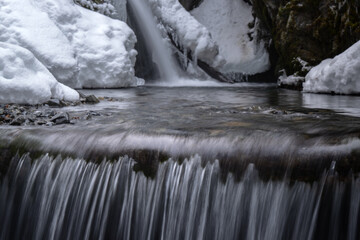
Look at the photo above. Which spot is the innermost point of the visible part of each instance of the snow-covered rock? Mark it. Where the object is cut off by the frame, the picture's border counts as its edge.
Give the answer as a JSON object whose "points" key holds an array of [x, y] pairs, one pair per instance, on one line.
{"points": [[81, 48], [189, 32], [340, 74], [291, 81], [227, 21], [23, 24], [24, 79]]}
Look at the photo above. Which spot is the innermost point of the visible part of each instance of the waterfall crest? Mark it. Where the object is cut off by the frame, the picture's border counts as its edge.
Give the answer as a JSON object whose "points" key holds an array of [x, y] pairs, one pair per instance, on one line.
{"points": [[73, 199]]}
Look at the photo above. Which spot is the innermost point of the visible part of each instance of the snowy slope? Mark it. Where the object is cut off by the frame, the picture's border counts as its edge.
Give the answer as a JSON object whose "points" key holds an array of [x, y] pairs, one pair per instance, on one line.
{"points": [[227, 21], [339, 75], [81, 48], [190, 33], [23, 79]]}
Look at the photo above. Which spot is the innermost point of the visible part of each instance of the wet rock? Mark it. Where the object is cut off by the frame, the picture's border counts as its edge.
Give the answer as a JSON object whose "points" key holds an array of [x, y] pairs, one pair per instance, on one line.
{"points": [[18, 121], [38, 113], [82, 95], [93, 113], [61, 118], [40, 122], [49, 113], [55, 103], [91, 99], [49, 124]]}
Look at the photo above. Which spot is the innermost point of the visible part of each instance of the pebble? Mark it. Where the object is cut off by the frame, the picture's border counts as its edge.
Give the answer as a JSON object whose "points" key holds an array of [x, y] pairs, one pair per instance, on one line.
{"points": [[46, 114]]}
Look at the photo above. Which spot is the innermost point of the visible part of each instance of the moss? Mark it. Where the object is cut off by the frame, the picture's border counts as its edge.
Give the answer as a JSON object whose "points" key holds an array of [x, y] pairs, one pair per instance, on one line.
{"points": [[310, 29]]}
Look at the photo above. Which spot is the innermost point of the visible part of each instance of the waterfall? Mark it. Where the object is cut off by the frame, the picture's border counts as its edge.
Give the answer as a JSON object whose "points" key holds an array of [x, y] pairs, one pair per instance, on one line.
{"points": [[153, 40], [74, 199]]}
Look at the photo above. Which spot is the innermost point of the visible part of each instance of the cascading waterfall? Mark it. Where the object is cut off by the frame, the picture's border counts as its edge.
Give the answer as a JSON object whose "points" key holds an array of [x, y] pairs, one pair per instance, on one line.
{"points": [[153, 40], [73, 199]]}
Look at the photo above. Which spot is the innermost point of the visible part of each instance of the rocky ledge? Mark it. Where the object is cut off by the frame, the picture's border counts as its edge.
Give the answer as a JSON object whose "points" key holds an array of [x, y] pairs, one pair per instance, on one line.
{"points": [[46, 114]]}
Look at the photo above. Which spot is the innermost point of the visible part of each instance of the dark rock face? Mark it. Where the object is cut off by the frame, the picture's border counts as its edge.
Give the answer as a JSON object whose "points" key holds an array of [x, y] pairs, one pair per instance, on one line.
{"points": [[311, 30], [190, 4]]}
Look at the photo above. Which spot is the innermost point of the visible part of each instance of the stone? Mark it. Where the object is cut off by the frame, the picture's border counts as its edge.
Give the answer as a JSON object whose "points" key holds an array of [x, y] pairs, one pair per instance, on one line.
{"points": [[49, 124], [91, 99], [82, 95], [61, 118], [40, 122], [55, 103], [92, 113], [49, 113], [18, 121]]}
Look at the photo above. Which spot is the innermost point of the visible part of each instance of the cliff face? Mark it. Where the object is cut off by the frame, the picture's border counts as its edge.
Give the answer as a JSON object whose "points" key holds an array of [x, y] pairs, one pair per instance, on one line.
{"points": [[310, 30], [304, 30]]}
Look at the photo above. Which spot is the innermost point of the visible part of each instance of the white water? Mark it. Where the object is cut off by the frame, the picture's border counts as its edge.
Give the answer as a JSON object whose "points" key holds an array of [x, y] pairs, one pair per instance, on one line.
{"points": [[73, 199], [154, 42]]}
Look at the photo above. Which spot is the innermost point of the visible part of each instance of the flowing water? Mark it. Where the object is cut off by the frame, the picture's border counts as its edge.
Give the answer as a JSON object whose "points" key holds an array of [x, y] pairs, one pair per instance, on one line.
{"points": [[153, 40], [242, 162]]}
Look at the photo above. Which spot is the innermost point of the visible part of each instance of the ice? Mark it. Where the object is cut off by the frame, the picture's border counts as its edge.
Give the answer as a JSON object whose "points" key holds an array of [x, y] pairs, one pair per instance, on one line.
{"points": [[24, 79], [338, 75], [227, 21]]}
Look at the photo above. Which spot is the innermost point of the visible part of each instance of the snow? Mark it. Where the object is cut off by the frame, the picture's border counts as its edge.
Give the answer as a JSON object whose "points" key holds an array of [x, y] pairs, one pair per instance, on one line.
{"points": [[23, 24], [24, 79], [291, 80], [189, 32], [105, 7], [227, 21], [338, 75], [81, 48]]}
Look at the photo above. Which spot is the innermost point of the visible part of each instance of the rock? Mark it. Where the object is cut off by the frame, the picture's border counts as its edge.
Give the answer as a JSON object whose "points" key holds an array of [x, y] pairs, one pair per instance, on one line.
{"points": [[31, 118], [92, 113], [40, 122], [61, 118], [309, 31], [55, 103], [38, 113], [82, 95], [49, 113], [91, 99], [18, 121], [190, 4]]}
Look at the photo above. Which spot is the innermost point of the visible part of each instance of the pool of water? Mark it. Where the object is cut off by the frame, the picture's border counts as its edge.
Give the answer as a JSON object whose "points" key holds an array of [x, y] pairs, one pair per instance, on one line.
{"points": [[242, 124]]}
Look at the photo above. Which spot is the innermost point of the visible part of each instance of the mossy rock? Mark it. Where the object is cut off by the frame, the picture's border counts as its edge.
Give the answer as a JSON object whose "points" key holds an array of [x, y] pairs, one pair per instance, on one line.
{"points": [[310, 29]]}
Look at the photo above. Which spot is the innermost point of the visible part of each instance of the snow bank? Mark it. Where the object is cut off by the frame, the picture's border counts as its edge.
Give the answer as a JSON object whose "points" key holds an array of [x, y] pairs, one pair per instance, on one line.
{"points": [[189, 32], [23, 79], [23, 24], [81, 48], [227, 21], [339, 75]]}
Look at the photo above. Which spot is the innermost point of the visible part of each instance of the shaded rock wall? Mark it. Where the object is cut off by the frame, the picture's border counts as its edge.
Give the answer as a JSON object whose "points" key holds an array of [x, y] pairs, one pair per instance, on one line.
{"points": [[312, 30], [190, 4]]}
